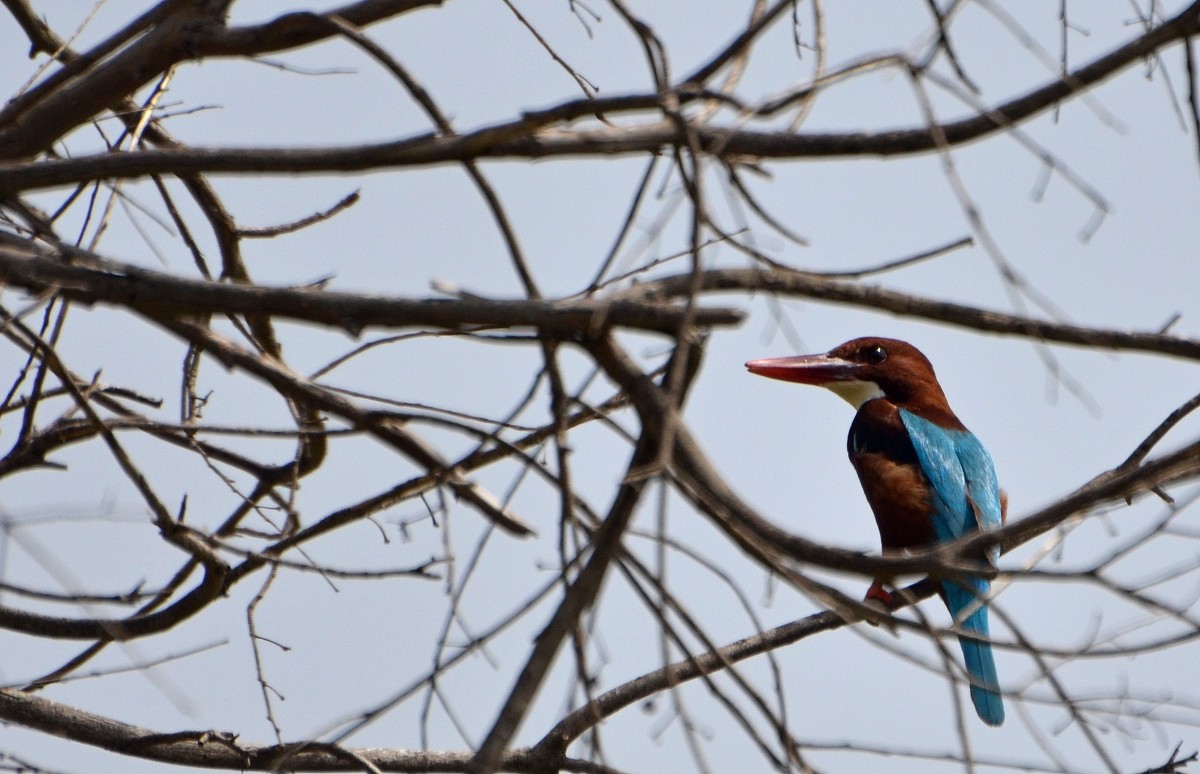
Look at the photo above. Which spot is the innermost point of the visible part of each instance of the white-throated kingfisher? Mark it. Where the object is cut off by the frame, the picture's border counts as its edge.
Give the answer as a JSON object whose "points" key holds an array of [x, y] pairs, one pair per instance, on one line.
{"points": [[926, 477]]}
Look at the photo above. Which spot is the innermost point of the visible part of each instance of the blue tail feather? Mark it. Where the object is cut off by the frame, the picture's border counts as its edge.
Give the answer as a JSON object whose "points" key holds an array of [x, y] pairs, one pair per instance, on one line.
{"points": [[977, 655]]}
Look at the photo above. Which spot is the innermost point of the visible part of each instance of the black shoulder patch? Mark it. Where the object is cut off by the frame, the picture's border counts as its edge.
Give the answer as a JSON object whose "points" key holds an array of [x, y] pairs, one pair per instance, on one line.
{"points": [[877, 429]]}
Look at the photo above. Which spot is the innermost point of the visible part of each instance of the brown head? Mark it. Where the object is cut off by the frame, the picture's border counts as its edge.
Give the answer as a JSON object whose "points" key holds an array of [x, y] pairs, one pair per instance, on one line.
{"points": [[863, 369]]}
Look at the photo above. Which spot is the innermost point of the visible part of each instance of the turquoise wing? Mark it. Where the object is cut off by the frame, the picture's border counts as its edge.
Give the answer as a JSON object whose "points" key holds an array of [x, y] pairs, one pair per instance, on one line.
{"points": [[965, 498]]}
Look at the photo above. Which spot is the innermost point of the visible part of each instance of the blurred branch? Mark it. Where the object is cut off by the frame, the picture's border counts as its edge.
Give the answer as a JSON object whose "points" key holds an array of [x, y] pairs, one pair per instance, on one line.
{"points": [[211, 587]]}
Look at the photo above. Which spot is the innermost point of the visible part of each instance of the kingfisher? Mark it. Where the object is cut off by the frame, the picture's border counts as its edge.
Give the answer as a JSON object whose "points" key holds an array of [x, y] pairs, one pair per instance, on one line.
{"points": [[926, 477]]}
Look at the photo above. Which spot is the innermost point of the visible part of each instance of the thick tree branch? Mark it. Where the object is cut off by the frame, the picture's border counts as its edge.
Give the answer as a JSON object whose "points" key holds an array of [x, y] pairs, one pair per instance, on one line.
{"points": [[169, 33], [527, 138], [159, 294], [222, 750], [302, 28], [211, 587], [820, 288]]}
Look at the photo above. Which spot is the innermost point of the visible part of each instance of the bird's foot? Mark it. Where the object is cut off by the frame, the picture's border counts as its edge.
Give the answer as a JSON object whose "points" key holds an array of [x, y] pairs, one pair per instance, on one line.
{"points": [[880, 599], [878, 595]]}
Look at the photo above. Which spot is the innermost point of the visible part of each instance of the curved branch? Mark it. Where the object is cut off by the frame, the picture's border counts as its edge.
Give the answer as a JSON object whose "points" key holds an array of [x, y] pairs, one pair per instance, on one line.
{"points": [[121, 629]]}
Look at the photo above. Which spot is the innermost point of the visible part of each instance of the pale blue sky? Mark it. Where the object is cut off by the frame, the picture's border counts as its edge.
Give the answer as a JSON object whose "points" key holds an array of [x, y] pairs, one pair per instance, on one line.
{"points": [[780, 446]]}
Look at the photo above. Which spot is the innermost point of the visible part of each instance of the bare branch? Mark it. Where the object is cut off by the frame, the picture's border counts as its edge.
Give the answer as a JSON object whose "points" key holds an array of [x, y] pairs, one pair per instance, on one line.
{"points": [[152, 292]]}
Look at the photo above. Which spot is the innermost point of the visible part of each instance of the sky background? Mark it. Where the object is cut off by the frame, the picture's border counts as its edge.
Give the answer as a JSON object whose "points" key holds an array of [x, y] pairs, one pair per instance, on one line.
{"points": [[780, 446]]}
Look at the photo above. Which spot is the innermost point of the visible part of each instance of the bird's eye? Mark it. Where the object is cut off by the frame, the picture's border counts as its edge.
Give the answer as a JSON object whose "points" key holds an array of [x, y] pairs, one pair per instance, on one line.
{"points": [[874, 355]]}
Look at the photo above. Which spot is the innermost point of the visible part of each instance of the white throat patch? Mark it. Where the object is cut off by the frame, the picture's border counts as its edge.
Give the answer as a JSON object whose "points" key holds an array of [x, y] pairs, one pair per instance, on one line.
{"points": [[855, 393]]}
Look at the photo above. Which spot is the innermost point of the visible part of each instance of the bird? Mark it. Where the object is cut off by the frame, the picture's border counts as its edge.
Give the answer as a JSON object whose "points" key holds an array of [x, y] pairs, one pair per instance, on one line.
{"points": [[926, 477]]}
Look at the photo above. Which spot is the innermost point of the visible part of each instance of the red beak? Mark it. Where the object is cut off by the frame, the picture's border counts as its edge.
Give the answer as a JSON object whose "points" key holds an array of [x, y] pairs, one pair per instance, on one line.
{"points": [[805, 369]]}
